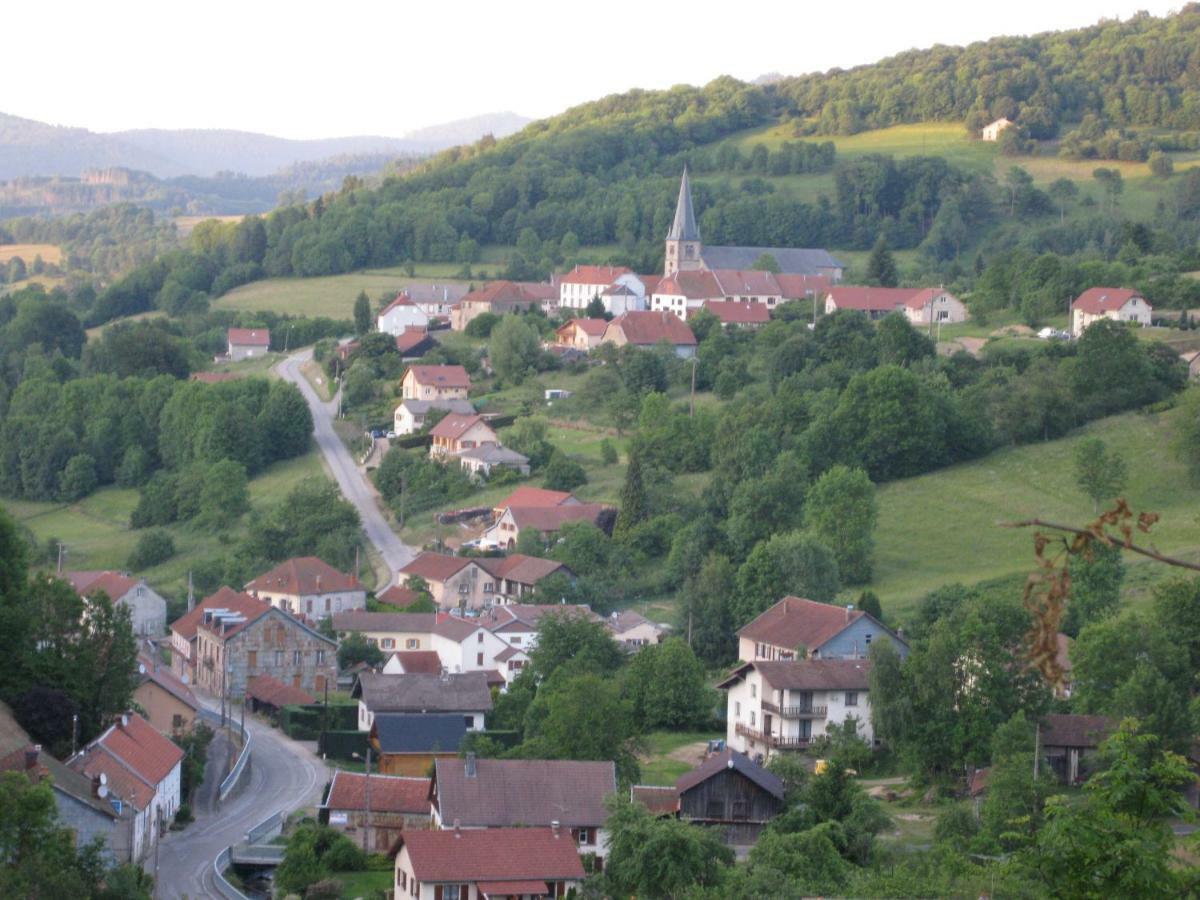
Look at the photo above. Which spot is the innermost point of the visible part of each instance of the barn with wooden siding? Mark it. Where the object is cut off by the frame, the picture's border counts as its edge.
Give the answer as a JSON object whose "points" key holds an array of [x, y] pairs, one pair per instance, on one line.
{"points": [[730, 791]]}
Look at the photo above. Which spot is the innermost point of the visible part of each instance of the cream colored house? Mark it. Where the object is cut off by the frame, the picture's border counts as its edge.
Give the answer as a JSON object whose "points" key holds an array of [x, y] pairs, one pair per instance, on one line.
{"points": [[309, 586], [582, 334], [390, 632], [435, 383], [455, 582], [1117, 304], [775, 706], [991, 131], [633, 630], [456, 433]]}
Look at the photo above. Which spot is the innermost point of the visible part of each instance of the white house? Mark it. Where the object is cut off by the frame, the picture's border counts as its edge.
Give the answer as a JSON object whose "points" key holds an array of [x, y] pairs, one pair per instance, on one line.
{"points": [[140, 767], [464, 693], [918, 305], [583, 284], [410, 415], [784, 705], [401, 314], [147, 609], [1118, 304], [991, 131], [247, 343], [309, 586]]}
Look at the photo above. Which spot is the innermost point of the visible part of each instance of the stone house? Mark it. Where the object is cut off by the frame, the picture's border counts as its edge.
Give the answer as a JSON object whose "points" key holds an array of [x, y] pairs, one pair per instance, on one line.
{"points": [[784, 705], [456, 433], [247, 343], [232, 647], [738, 314], [373, 809], [795, 628], [916, 304], [583, 284], [184, 629], [310, 587], [147, 609], [435, 383]]}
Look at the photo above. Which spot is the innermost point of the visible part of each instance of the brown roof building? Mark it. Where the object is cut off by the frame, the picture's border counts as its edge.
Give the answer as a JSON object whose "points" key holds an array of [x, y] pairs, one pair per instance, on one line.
{"points": [[169, 704], [547, 520], [435, 383], [308, 586], [795, 627], [391, 805], [648, 328]]}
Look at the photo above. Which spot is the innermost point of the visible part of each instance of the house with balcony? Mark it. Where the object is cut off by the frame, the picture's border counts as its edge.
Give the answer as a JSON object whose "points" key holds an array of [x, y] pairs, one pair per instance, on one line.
{"points": [[776, 706], [795, 628]]}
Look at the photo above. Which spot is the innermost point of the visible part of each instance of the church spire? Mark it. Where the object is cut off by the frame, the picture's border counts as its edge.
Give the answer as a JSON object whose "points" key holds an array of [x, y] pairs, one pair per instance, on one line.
{"points": [[684, 227]]}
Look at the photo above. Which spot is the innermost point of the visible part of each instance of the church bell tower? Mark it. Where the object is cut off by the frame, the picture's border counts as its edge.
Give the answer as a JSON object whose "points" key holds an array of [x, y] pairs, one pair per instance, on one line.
{"points": [[683, 240]]}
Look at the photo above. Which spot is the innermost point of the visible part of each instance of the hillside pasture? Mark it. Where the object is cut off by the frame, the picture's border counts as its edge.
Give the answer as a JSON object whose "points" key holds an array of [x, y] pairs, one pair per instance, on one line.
{"points": [[50, 253], [945, 526], [330, 295]]}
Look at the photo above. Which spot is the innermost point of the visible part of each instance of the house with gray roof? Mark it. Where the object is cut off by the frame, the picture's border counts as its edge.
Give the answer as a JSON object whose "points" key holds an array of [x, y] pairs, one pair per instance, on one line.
{"points": [[466, 694]]}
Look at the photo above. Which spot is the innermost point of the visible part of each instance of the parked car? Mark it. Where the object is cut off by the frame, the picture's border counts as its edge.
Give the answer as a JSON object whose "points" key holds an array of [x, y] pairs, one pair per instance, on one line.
{"points": [[378, 433], [391, 434]]}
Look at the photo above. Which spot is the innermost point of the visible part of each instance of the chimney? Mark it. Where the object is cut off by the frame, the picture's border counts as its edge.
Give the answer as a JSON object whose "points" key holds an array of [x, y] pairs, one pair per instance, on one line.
{"points": [[554, 827], [124, 720], [849, 609], [458, 828], [470, 765], [31, 755]]}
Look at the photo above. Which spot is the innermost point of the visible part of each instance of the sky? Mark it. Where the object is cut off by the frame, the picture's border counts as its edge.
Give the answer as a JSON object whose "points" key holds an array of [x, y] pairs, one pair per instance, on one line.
{"points": [[305, 69]]}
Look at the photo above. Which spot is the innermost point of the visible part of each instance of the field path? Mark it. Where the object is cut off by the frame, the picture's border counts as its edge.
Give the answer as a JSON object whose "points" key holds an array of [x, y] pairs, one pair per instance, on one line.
{"points": [[351, 480]]}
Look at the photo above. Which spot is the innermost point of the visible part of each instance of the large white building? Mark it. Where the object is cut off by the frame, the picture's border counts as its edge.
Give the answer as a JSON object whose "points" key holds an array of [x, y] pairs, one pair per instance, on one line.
{"points": [[1118, 304], [783, 705], [401, 314]]}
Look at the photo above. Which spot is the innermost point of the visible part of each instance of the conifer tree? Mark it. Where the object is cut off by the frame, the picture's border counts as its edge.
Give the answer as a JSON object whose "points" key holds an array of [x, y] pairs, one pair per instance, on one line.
{"points": [[633, 497], [881, 267]]}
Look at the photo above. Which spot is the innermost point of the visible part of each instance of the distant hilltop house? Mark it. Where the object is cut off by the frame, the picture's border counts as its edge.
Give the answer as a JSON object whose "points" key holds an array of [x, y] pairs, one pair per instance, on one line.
{"points": [[1118, 304], [435, 383], [247, 343], [991, 132], [685, 251], [400, 315], [685, 293], [649, 329], [500, 297], [919, 305], [147, 609]]}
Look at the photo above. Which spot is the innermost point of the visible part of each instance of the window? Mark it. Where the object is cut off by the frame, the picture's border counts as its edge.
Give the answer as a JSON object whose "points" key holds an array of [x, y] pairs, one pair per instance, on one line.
{"points": [[737, 709], [753, 689], [515, 639], [479, 637], [479, 659], [852, 698], [867, 639], [177, 721], [751, 718], [489, 588], [464, 588], [584, 835], [412, 643], [470, 720], [403, 882], [714, 809], [279, 657], [741, 809], [327, 604], [296, 657], [320, 657], [252, 658], [310, 604], [388, 643]]}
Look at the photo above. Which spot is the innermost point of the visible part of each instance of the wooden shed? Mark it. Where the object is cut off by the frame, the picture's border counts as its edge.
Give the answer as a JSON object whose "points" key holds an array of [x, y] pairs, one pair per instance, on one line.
{"points": [[731, 791]]}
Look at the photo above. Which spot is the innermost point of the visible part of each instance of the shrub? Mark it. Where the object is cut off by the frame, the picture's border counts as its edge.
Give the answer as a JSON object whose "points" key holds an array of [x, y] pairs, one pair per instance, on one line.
{"points": [[344, 855], [152, 548]]}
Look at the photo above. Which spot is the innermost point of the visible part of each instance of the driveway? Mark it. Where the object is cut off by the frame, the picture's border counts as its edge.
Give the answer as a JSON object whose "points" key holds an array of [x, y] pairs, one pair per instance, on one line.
{"points": [[351, 480], [284, 775]]}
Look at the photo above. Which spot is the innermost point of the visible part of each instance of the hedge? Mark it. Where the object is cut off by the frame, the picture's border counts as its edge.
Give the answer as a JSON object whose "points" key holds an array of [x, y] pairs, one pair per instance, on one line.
{"points": [[343, 744]]}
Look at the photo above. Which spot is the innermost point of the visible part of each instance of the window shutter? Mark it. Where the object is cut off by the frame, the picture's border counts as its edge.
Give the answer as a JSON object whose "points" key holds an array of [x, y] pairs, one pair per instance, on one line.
{"points": [[437, 892]]}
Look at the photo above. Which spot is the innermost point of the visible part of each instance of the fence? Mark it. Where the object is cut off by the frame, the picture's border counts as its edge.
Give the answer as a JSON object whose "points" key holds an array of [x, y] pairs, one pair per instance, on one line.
{"points": [[220, 864]]}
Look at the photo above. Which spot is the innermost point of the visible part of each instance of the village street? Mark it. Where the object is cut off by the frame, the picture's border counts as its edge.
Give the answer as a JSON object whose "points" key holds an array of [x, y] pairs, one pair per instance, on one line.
{"points": [[284, 775], [350, 480]]}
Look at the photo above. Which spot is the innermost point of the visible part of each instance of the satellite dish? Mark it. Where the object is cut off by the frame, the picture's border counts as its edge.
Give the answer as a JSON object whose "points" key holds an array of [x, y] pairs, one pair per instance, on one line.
{"points": [[141, 668], [102, 791], [103, 778]]}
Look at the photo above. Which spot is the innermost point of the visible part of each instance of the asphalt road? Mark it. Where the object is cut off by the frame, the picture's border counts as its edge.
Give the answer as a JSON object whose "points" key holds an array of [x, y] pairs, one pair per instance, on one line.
{"points": [[284, 775], [350, 479]]}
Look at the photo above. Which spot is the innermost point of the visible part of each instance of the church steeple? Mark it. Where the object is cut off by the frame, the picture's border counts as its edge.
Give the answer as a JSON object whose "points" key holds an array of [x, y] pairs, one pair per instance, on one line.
{"points": [[683, 240]]}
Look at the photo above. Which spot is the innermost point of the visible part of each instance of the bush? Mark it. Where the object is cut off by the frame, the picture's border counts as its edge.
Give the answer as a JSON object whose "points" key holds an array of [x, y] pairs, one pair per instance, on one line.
{"points": [[344, 855], [563, 474], [152, 548], [608, 452], [325, 889]]}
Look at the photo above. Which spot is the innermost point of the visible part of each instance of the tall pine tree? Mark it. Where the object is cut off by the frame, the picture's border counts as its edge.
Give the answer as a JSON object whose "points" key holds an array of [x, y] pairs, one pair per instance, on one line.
{"points": [[362, 313], [634, 506], [881, 267]]}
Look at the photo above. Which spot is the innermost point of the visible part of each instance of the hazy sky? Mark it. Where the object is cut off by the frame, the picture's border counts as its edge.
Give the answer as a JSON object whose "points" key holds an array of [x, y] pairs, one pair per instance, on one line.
{"points": [[321, 69]]}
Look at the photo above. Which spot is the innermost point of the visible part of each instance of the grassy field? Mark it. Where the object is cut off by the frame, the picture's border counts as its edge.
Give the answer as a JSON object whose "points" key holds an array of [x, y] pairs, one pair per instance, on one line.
{"points": [[185, 224], [331, 295], [944, 527], [97, 534], [50, 253], [364, 884]]}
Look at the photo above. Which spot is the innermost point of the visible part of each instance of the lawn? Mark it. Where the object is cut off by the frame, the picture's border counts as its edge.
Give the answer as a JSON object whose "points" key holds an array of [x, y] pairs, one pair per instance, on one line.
{"points": [[671, 753], [364, 884], [944, 527], [330, 295], [97, 535]]}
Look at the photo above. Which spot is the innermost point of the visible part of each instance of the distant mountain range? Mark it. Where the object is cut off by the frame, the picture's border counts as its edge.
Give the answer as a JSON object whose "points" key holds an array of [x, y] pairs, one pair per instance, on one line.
{"points": [[30, 148]]}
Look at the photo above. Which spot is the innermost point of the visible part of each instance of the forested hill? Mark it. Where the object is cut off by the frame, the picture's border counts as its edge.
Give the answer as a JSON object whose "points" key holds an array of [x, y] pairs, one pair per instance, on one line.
{"points": [[605, 173]]}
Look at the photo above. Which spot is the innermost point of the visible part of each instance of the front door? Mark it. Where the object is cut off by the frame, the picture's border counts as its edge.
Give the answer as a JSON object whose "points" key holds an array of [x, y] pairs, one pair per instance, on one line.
{"points": [[766, 725]]}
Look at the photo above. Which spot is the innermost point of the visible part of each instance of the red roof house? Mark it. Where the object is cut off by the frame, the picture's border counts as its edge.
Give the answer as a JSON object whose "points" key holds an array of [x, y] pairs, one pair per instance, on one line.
{"points": [[649, 328], [738, 313]]}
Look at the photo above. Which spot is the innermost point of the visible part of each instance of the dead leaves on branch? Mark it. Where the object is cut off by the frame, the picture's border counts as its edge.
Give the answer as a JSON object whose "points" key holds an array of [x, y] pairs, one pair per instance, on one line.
{"points": [[1048, 588]]}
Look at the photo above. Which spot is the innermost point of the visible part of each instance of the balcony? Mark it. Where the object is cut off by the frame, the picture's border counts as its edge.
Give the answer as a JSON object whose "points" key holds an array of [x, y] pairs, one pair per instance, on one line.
{"points": [[772, 740], [795, 712]]}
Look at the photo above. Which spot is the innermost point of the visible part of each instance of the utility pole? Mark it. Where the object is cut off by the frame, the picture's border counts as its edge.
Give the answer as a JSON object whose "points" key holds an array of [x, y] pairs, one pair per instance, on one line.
{"points": [[367, 821], [62, 551], [692, 410], [74, 731]]}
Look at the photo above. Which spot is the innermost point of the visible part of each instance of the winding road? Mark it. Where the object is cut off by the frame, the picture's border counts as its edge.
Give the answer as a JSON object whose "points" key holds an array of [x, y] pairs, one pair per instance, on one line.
{"points": [[350, 479], [284, 775]]}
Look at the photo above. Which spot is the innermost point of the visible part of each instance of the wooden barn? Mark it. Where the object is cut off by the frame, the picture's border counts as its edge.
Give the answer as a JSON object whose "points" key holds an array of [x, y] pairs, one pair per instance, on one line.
{"points": [[731, 791]]}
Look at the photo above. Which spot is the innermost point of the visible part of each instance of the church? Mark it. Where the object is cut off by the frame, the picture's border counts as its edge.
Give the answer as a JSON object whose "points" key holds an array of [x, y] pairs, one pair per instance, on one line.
{"points": [[686, 252]]}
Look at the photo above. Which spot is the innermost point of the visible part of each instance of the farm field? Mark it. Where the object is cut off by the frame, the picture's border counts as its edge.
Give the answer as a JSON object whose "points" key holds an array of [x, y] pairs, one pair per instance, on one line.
{"points": [[671, 753], [330, 295], [50, 253], [97, 534], [943, 527]]}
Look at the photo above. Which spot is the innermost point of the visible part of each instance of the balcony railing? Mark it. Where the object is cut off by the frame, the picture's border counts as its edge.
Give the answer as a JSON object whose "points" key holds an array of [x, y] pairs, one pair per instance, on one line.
{"points": [[795, 712], [773, 740]]}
